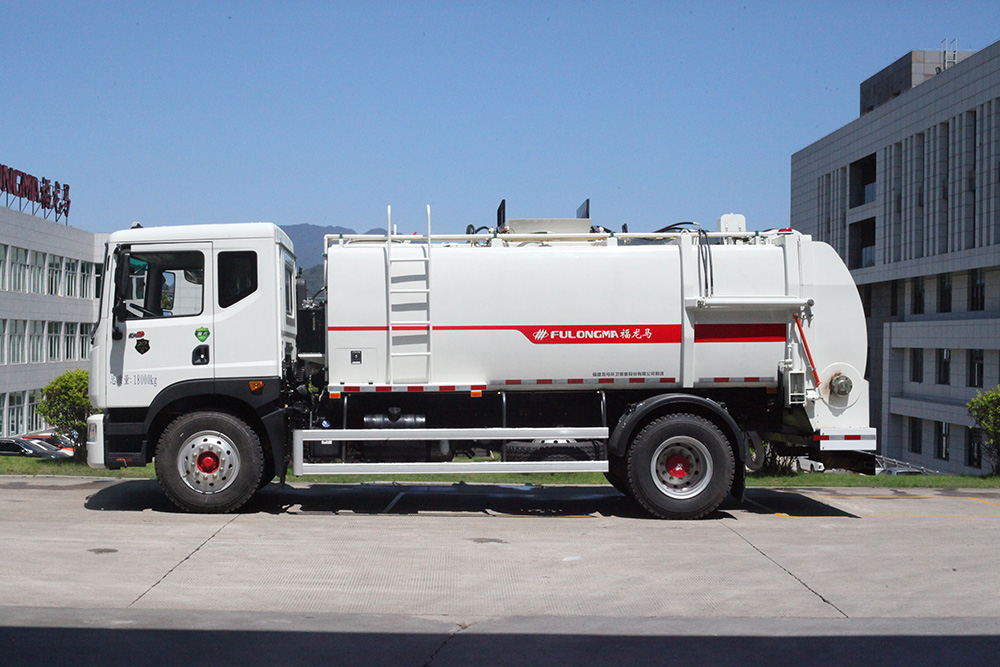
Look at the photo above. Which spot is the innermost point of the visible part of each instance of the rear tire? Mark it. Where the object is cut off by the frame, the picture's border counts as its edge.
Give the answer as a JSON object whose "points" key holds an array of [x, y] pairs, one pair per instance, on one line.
{"points": [[209, 462], [680, 467]]}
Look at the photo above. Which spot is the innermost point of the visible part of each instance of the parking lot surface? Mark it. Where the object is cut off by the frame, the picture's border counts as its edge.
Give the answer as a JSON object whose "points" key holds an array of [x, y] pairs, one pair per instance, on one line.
{"points": [[101, 570]]}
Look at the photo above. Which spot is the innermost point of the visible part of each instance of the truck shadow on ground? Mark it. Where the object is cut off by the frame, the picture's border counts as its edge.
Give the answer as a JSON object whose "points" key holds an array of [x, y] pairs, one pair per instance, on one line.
{"points": [[458, 498]]}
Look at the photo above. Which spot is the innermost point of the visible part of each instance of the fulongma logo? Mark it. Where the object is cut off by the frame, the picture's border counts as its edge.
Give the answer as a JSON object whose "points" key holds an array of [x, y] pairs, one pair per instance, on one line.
{"points": [[574, 334], [603, 334]]}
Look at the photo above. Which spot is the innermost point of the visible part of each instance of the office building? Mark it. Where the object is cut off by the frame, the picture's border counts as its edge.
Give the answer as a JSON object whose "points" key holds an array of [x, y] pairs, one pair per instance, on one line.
{"points": [[909, 195], [49, 274]]}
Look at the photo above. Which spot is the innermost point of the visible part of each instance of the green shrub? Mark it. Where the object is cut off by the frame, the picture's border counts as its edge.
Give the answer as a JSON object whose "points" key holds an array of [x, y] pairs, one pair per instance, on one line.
{"points": [[985, 410], [65, 405]]}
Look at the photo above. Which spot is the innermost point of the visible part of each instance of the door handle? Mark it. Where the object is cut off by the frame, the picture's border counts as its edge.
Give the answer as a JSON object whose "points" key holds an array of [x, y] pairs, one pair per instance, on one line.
{"points": [[199, 356]]}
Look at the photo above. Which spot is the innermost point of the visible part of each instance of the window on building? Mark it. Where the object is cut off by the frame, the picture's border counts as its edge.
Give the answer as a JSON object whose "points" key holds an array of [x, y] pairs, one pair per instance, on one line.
{"points": [[87, 290], [237, 276], [862, 174], [3, 414], [917, 296], [974, 448], [36, 273], [916, 436], [977, 290], [18, 269], [15, 412], [16, 341], [84, 341], [894, 298], [71, 276], [164, 284], [69, 341], [976, 364], [36, 342], [55, 275], [55, 341], [35, 421], [943, 375], [942, 434], [3, 341], [861, 242], [917, 364], [3, 267], [944, 293]]}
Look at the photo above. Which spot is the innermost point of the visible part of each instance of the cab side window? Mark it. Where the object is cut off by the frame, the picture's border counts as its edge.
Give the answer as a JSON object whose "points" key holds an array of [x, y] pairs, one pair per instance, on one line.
{"points": [[237, 276], [164, 284]]}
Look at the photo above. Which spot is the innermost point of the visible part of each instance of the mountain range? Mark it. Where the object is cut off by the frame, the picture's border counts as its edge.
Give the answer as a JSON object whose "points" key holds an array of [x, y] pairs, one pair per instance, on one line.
{"points": [[308, 241]]}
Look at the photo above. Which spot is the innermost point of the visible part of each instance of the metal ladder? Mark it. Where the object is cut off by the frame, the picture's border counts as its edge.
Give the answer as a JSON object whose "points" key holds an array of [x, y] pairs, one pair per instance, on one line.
{"points": [[395, 325]]}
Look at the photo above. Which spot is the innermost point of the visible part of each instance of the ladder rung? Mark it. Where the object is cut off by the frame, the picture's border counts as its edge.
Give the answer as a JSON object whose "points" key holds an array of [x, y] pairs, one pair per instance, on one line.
{"points": [[410, 354], [410, 291], [409, 323], [408, 259]]}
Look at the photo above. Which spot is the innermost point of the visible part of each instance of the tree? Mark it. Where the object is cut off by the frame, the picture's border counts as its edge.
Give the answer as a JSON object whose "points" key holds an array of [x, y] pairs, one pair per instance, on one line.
{"points": [[65, 405], [985, 410]]}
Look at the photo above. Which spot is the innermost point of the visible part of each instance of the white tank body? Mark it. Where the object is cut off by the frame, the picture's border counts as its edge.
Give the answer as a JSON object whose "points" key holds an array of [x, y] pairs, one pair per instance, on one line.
{"points": [[575, 315]]}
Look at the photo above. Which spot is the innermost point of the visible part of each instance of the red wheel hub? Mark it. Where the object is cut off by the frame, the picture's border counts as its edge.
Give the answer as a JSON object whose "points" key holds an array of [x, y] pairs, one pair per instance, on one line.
{"points": [[208, 462], [678, 466]]}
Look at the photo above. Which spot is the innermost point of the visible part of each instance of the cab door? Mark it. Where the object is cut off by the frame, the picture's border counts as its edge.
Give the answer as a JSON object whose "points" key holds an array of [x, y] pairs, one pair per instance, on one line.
{"points": [[162, 320]]}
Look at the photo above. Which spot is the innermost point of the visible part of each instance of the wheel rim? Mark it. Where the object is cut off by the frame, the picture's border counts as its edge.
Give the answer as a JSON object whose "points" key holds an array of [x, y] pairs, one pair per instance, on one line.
{"points": [[681, 467], [208, 462]]}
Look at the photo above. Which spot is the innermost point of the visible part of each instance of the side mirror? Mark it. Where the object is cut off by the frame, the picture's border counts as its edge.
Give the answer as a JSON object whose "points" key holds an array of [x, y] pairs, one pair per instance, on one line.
{"points": [[118, 311]]}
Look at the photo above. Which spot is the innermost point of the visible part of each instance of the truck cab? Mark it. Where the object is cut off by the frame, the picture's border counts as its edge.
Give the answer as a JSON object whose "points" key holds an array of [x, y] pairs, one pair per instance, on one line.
{"points": [[198, 316]]}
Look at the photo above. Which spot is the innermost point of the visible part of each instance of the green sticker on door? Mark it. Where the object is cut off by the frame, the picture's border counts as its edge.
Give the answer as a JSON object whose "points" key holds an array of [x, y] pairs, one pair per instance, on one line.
{"points": [[201, 334]]}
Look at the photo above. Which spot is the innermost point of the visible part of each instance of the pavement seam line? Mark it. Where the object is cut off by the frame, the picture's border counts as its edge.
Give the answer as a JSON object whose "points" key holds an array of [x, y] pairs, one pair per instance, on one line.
{"points": [[788, 572], [459, 628], [182, 561]]}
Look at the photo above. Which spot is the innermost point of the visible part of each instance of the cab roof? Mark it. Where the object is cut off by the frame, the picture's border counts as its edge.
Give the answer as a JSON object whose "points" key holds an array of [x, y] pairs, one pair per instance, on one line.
{"points": [[210, 232]]}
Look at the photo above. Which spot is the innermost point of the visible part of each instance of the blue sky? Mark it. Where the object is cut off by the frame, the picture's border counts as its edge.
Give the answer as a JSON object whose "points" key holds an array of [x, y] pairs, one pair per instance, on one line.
{"points": [[324, 113]]}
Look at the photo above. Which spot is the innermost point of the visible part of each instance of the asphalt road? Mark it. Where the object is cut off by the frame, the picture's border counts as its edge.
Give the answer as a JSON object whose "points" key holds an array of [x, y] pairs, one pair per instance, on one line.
{"points": [[98, 572]]}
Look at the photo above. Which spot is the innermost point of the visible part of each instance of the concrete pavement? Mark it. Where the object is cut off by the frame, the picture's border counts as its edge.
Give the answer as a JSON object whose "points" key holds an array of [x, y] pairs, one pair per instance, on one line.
{"points": [[454, 574]]}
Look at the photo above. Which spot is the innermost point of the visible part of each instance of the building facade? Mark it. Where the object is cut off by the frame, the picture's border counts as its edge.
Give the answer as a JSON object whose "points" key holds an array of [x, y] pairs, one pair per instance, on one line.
{"points": [[909, 195], [49, 276]]}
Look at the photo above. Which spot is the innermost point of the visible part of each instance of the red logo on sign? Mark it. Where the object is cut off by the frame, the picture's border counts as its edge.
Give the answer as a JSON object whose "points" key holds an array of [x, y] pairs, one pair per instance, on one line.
{"points": [[605, 334]]}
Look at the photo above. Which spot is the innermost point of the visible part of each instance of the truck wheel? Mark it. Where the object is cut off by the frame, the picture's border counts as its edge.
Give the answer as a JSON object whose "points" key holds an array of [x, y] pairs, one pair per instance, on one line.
{"points": [[209, 462], [680, 467]]}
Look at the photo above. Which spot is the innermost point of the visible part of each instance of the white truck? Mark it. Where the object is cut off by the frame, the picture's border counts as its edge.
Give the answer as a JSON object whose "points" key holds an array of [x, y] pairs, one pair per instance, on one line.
{"points": [[531, 346]]}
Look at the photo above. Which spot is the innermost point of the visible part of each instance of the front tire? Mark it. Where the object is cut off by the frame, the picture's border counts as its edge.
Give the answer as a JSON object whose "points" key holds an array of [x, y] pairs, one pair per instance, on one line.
{"points": [[680, 467], [209, 462]]}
